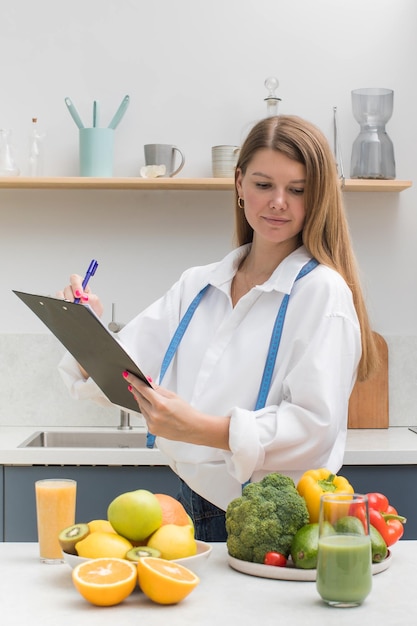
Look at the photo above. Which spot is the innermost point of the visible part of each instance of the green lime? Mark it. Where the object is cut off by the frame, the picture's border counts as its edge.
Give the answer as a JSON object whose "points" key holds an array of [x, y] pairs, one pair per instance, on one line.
{"points": [[379, 547], [304, 546], [349, 524]]}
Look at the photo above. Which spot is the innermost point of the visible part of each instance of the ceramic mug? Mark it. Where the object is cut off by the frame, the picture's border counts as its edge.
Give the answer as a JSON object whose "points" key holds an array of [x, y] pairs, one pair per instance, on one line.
{"points": [[223, 160], [164, 154]]}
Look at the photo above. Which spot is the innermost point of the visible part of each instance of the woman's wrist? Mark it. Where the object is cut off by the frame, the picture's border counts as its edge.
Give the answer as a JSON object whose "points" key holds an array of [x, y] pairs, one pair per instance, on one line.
{"points": [[212, 431]]}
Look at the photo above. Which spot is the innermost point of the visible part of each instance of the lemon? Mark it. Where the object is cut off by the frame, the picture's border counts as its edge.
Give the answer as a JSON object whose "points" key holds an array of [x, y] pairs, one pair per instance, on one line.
{"points": [[102, 545], [164, 582], [174, 542], [100, 525], [105, 582]]}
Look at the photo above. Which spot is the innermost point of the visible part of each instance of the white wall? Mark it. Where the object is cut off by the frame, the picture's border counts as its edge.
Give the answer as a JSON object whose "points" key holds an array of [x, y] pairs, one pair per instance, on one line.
{"points": [[195, 72]]}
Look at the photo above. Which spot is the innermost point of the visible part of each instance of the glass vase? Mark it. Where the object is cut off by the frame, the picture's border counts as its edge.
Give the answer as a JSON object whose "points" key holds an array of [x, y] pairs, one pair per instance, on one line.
{"points": [[372, 150], [8, 165]]}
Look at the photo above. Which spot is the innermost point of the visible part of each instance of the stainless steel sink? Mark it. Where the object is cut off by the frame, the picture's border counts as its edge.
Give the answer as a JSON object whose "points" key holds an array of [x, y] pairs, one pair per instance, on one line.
{"points": [[88, 439]]}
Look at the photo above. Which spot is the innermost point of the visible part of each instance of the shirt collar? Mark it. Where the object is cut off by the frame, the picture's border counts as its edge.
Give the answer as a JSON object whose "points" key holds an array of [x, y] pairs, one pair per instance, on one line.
{"points": [[282, 279]]}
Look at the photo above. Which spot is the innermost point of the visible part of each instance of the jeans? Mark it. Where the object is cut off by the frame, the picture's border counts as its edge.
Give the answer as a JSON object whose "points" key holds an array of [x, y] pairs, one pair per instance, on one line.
{"points": [[209, 520]]}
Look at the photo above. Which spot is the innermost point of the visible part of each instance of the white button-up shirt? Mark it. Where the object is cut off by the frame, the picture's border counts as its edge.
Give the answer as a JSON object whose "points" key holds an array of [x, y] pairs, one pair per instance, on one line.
{"points": [[219, 364]]}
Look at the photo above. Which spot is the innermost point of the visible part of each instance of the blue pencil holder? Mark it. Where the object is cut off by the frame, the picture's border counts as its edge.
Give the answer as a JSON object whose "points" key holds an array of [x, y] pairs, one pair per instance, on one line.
{"points": [[96, 152]]}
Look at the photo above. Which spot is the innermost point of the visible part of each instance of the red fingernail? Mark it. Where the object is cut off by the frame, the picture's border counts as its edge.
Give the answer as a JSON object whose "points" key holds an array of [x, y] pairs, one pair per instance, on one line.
{"points": [[78, 293], [149, 379], [129, 387], [125, 374], [85, 298]]}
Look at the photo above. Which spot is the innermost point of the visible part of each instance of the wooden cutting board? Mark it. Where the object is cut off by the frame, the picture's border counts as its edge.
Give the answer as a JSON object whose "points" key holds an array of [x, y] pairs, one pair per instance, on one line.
{"points": [[368, 405]]}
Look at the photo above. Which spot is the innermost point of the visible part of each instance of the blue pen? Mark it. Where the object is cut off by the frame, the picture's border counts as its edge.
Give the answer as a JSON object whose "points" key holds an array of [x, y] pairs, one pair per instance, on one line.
{"points": [[89, 273]]}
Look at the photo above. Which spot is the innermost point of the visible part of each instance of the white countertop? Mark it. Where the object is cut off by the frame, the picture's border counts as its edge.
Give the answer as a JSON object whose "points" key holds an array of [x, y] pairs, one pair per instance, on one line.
{"points": [[43, 595], [392, 446], [11, 454]]}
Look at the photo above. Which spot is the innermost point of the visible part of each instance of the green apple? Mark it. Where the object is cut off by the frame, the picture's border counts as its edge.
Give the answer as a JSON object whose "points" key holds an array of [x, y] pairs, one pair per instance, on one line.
{"points": [[135, 514]]}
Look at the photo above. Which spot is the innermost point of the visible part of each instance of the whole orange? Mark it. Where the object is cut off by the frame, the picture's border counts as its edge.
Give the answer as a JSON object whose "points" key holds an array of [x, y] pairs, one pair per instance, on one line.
{"points": [[172, 511]]}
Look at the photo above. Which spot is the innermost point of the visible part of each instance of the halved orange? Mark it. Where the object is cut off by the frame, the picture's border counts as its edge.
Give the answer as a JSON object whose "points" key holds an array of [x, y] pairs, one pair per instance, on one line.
{"points": [[165, 582], [105, 582]]}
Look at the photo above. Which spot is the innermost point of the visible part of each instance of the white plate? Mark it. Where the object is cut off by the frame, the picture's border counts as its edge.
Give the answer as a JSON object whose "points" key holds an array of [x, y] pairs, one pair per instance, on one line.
{"points": [[195, 563], [290, 572]]}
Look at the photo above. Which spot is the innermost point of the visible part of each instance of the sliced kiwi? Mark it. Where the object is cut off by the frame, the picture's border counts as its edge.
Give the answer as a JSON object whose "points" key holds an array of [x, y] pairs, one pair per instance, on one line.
{"points": [[70, 536], [139, 551]]}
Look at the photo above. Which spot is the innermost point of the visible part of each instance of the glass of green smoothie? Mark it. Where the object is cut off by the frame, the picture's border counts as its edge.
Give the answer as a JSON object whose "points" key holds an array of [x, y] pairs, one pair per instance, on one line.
{"points": [[344, 559]]}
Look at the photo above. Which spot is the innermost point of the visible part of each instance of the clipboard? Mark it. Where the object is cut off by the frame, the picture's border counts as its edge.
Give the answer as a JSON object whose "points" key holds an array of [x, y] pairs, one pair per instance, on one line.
{"points": [[83, 334]]}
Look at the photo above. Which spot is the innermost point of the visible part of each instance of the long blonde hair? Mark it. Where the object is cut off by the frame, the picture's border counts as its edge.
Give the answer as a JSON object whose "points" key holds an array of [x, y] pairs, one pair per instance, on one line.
{"points": [[326, 232]]}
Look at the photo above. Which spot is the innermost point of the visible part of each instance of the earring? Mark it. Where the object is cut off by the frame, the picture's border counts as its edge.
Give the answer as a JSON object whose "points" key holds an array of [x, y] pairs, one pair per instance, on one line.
{"points": [[240, 203]]}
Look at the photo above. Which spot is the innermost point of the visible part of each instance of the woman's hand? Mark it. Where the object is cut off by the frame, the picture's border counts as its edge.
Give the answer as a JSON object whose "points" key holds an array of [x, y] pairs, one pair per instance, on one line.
{"points": [[75, 290], [168, 416]]}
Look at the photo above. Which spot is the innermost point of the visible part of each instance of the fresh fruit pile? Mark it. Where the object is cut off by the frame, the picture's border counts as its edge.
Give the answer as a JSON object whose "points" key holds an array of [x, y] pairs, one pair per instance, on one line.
{"points": [[385, 525], [140, 525]]}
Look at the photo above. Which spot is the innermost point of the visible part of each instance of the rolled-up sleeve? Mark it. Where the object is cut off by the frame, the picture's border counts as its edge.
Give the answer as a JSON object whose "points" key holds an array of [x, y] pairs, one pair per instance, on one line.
{"points": [[308, 421]]}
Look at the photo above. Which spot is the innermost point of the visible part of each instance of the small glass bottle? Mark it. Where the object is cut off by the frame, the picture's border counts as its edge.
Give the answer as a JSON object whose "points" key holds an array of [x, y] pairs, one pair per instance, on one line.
{"points": [[36, 160], [272, 99], [8, 165]]}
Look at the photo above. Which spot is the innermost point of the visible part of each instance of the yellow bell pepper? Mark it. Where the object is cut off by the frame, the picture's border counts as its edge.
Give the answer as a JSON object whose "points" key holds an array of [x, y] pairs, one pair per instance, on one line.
{"points": [[314, 483]]}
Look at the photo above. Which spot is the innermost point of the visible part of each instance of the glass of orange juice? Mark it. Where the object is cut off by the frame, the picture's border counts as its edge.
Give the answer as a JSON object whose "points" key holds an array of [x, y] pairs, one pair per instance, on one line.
{"points": [[55, 510]]}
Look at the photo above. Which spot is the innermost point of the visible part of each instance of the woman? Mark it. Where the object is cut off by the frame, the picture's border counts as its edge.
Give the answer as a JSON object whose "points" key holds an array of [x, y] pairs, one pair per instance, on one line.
{"points": [[259, 375]]}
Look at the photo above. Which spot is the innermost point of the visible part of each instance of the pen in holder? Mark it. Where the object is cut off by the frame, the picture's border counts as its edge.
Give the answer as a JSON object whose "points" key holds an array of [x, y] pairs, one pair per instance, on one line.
{"points": [[96, 152]]}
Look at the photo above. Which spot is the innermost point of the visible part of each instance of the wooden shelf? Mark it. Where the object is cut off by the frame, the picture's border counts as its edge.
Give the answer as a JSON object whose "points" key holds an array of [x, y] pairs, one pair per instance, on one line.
{"points": [[80, 182], [172, 184], [361, 184]]}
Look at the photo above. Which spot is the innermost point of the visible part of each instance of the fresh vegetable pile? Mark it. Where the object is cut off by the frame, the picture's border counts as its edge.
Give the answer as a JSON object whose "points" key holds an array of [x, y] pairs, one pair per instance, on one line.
{"points": [[274, 520], [265, 518]]}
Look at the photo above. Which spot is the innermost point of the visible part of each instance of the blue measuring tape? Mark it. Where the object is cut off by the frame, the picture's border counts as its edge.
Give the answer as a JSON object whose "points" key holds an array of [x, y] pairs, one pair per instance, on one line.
{"points": [[173, 346], [179, 333], [276, 340], [272, 351]]}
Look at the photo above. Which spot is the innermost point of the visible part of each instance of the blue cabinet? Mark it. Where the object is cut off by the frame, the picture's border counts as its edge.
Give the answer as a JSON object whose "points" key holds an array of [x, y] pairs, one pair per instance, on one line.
{"points": [[96, 488], [98, 485]]}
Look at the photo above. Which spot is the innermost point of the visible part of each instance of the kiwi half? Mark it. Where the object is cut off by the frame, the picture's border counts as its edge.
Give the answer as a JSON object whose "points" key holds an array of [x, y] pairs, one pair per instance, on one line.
{"points": [[70, 536], [136, 553]]}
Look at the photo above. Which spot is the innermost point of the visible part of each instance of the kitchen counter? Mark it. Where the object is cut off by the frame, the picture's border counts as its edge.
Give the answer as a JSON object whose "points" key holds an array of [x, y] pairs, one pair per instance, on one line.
{"points": [[375, 460], [392, 446], [43, 595], [11, 454]]}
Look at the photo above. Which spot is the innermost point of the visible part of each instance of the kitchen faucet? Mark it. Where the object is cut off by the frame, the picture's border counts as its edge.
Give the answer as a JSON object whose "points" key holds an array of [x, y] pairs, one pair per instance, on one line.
{"points": [[124, 420]]}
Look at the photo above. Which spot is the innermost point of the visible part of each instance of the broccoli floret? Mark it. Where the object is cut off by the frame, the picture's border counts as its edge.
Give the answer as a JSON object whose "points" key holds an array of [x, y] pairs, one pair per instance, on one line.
{"points": [[265, 518]]}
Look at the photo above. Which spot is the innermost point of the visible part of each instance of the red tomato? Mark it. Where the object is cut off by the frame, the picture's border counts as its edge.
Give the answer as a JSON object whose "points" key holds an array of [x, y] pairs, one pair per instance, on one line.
{"points": [[275, 558]]}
